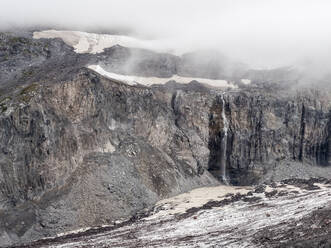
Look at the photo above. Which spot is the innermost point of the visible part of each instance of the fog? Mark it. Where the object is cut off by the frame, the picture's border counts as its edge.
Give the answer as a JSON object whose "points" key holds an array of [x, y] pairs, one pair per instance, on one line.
{"points": [[261, 33]]}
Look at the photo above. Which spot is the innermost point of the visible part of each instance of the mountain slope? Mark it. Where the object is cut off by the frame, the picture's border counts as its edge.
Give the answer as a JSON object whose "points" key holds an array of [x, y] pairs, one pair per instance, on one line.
{"points": [[79, 150]]}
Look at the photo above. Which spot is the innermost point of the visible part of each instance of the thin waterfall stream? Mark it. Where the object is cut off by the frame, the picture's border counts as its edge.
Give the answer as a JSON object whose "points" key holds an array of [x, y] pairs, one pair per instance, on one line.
{"points": [[223, 175]]}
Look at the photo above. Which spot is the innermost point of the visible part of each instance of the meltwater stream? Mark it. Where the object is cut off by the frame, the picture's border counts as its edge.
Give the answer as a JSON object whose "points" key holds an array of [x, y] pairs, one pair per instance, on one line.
{"points": [[224, 143]]}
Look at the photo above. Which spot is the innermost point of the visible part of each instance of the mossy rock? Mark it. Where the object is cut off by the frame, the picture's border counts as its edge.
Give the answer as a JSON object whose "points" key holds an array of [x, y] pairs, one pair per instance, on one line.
{"points": [[18, 40], [30, 88], [3, 107], [28, 92], [4, 58], [27, 73], [5, 99]]}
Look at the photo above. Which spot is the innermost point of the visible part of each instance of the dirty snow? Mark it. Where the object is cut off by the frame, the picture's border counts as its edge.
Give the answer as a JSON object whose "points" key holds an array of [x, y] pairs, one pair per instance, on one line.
{"points": [[231, 225]]}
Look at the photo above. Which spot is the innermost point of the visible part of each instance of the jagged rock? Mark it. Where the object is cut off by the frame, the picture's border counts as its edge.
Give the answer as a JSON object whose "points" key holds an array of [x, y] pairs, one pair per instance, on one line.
{"points": [[260, 189]]}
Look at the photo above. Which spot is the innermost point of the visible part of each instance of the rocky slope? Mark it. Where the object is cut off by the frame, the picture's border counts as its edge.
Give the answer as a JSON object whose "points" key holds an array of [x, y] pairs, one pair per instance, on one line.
{"points": [[293, 213], [79, 150]]}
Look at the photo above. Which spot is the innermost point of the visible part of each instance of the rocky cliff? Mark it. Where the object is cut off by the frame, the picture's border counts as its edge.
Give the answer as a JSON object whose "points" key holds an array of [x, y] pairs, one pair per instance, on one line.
{"points": [[78, 149]]}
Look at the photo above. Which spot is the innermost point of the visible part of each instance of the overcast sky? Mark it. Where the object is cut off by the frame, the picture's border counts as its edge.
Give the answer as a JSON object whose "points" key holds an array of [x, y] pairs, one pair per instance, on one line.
{"points": [[263, 33]]}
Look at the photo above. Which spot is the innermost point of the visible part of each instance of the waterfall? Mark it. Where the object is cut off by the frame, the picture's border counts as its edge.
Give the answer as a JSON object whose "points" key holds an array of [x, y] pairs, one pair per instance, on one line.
{"points": [[224, 143]]}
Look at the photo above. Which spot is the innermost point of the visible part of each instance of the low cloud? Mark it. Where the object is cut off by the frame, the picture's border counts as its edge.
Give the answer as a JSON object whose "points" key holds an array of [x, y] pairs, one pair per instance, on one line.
{"points": [[257, 32]]}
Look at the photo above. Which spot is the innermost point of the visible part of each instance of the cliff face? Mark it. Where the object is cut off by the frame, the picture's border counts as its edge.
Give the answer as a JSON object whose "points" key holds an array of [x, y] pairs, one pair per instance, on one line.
{"points": [[269, 129], [265, 130], [90, 151], [79, 150]]}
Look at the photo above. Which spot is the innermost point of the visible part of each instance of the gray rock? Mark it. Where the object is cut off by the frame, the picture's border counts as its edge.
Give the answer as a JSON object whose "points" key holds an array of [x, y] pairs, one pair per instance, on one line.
{"points": [[79, 150]]}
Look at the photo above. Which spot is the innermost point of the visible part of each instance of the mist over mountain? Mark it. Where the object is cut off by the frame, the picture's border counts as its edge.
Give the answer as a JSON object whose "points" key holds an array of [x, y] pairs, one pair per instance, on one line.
{"points": [[163, 123], [262, 34]]}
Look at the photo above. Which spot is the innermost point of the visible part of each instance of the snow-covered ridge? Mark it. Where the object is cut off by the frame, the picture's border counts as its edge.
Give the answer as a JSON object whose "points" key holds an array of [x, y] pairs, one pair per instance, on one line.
{"points": [[148, 81], [84, 42]]}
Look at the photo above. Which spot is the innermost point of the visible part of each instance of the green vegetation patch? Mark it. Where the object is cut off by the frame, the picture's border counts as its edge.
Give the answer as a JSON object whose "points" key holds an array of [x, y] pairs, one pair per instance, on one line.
{"points": [[3, 107], [18, 40], [27, 93], [27, 73], [2, 100], [30, 88]]}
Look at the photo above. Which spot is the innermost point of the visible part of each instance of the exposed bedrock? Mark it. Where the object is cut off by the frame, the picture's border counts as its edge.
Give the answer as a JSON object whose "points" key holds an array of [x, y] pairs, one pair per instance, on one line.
{"points": [[268, 129], [90, 151]]}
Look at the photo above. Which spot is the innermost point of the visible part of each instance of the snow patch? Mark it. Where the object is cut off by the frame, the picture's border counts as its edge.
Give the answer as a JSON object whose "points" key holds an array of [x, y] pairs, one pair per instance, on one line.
{"points": [[246, 81], [148, 81], [108, 147], [195, 198], [84, 42], [232, 225]]}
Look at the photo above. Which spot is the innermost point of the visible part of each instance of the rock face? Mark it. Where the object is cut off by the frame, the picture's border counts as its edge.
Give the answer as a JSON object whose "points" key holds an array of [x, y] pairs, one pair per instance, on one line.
{"points": [[90, 151], [268, 128], [79, 150]]}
